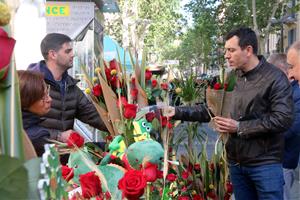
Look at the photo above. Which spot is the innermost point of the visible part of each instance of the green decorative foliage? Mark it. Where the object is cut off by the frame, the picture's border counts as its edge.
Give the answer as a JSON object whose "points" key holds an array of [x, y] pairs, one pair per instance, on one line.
{"points": [[13, 179], [113, 173], [52, 185], [76, 162]]}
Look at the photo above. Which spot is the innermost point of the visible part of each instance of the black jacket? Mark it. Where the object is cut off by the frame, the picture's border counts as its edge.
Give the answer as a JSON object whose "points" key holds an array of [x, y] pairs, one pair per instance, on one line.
{"points": [[68, 102], [262, 103]]}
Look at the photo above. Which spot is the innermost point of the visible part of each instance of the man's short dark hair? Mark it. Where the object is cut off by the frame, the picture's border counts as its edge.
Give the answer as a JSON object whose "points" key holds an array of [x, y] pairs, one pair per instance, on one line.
{"points": [[53, 41], [246, 37]]}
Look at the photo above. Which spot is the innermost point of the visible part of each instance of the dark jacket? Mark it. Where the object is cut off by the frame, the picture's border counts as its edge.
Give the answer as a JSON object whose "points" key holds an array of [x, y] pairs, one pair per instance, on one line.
{"points": [[68, 102], [292, 136], [262, 103], [36, 133]]}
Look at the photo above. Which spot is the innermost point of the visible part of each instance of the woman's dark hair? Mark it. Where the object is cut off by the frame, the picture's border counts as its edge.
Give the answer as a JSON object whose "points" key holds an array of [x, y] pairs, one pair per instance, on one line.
{"points": [[246, 37], [32, 87]]}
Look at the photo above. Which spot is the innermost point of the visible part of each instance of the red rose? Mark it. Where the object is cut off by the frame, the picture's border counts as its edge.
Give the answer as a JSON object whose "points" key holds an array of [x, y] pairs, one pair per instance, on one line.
{"points": [[109, 138], [130, 111], [212, 195], [227, 196], [107, 195], [171, 177], [212, 166], [164, 86], [183, 198], [185, 175], [97, 90], [225, 86], [122, 101], [113, 64], [163, 121], [150, 116], [90, 185], [169, 125], [197, 166], [133, 80], [114, 81], [154, 83], [107, 73], [229, 187], [148, 75], [197, 197], [150, 172], [217, 86], [132, 184], [159, 174], [67, 173], [75, 139], [134, 92]]}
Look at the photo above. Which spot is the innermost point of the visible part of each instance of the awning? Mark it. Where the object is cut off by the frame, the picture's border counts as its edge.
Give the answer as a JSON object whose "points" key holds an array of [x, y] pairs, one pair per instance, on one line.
{"points": [[111, 49]]}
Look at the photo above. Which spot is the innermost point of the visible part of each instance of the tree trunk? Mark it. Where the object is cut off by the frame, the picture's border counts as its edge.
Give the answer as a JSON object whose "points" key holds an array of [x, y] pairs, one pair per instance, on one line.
{"points": [[263, 37]]}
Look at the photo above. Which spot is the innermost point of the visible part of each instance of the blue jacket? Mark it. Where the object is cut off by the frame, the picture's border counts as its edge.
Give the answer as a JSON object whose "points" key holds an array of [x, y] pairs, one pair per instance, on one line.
{"points": [[35, 132], [292, 135], [68, 102]]}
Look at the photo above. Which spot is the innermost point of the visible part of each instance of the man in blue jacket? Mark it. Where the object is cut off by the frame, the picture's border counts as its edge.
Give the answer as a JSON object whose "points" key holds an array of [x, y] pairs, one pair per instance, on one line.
{"points": [[68, 101], [292, 135]]}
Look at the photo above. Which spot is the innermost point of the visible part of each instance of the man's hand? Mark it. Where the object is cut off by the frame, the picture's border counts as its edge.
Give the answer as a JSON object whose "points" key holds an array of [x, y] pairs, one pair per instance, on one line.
{"points": [[63, 137], [225, 125], [169, 111]]}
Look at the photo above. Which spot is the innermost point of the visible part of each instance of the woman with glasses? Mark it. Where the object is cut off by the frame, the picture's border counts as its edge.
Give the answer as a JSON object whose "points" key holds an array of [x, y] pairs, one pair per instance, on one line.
{"points": [[36, 102]]}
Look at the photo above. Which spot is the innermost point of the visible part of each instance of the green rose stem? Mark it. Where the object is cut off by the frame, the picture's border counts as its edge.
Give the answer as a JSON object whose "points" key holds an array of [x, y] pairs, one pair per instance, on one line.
{"points": [[148, 188], [128, 133]]}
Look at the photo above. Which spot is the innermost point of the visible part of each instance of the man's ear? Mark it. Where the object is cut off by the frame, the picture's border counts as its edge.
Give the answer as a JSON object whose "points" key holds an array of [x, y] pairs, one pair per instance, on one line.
{"points": [[51, 54], [249, 50]]}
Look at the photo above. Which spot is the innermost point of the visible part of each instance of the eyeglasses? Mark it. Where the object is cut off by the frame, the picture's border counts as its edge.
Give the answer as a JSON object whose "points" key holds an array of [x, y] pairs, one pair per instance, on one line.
{"points": [[47, 93]]}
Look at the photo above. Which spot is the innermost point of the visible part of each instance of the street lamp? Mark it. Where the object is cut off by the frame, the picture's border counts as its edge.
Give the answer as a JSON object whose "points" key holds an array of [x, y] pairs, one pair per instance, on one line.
{"points": [[287, 19]]}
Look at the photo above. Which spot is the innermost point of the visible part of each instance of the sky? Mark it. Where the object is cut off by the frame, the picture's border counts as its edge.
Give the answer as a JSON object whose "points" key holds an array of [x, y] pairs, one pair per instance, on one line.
{"points": [[186, 14]]}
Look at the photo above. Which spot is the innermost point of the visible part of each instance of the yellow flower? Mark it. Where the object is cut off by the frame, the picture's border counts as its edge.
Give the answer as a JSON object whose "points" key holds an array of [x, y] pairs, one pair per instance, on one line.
{"points": [[97, 70], [87, 91], [211, 186], [95, 79], [178, 90], [113, 72], [147, 68], [194, 192], [4, 14]]}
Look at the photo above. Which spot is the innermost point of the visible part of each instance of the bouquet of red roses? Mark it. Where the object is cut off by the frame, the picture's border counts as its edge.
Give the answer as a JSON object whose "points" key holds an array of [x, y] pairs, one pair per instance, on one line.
{"points": [[219, 95]]}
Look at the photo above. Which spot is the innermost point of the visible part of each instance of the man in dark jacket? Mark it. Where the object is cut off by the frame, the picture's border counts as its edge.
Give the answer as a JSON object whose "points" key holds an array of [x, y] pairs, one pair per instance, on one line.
{"points": [[261, 110], [291, 158], [68, 101]]}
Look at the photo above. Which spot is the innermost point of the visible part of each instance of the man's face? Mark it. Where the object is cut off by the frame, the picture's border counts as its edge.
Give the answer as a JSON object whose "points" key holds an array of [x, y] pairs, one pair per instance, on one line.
{"points": [[64, 56], [294, 64], [235, 56]]}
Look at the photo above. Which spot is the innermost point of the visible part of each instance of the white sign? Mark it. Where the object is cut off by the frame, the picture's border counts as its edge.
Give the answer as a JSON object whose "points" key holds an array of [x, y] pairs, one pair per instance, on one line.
{"points": [[171, 62], [69, 18]]}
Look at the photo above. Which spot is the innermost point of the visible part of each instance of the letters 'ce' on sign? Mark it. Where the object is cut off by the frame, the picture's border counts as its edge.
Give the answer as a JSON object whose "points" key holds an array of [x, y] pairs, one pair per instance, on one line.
{"points": [[57, 10]]}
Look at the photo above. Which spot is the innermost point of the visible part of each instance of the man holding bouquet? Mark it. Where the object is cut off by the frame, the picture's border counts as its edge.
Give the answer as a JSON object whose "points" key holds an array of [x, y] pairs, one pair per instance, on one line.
{"points": [[260, 112]]}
